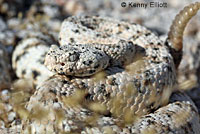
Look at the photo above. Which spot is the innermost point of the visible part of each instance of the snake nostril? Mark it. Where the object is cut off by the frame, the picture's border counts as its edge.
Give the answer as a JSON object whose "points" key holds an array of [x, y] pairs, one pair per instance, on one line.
{"points": [[62, 64]]}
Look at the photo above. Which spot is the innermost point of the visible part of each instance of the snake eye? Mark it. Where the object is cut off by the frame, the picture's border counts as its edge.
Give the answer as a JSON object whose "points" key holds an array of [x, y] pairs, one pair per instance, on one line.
{"points": [[73, 57]]}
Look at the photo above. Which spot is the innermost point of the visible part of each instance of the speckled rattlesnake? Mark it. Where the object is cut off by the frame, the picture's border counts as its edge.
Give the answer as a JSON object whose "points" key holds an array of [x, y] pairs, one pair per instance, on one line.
{"points": [[111, 75]]}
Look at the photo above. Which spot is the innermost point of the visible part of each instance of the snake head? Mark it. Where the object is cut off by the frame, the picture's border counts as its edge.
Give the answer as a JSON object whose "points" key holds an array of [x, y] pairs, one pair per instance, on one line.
{"points": [[77, 60]]}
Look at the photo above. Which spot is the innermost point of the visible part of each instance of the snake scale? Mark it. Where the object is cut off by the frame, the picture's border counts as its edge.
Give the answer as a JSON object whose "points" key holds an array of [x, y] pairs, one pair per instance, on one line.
{"points": [[112, 77]]}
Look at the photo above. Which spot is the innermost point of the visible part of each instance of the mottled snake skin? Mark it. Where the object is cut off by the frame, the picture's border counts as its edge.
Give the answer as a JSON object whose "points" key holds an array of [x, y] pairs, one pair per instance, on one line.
{"points": [[110, 77]]}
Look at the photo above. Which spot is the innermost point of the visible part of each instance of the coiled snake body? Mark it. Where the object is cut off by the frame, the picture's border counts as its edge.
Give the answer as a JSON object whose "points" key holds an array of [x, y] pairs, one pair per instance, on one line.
{"points": [[110, 75]]}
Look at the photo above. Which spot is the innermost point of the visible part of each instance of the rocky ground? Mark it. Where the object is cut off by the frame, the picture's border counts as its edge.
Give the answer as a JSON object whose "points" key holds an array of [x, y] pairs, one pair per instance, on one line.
{"points": [[19, 18]]}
